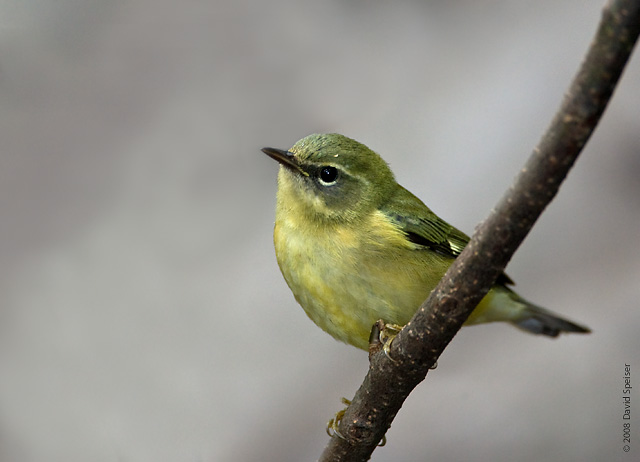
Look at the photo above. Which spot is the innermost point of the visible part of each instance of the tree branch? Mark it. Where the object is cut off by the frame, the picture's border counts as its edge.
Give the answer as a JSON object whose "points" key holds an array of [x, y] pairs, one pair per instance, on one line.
{"points": [[420, 343]]}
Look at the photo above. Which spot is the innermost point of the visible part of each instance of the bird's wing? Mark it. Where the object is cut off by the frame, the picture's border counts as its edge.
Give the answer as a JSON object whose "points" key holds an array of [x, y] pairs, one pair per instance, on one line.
{"points": [[425, 229]]}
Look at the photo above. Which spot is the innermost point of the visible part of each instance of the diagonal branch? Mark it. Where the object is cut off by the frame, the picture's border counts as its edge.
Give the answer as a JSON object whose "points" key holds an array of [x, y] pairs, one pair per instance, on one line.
{"points": [[420, 343]]}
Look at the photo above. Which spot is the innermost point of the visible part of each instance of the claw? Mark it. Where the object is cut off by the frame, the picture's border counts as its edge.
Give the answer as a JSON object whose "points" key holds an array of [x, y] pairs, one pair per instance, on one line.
{"points": [[386, 337], [332, 425], [384, 334]]}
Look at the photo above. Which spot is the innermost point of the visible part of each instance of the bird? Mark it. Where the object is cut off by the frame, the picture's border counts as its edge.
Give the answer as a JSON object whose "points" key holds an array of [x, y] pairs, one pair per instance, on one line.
{"points": [[355, 247]]}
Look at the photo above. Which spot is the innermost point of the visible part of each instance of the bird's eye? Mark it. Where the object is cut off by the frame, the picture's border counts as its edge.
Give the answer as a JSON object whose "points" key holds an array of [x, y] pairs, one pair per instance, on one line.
{"points": [[328, 175]]}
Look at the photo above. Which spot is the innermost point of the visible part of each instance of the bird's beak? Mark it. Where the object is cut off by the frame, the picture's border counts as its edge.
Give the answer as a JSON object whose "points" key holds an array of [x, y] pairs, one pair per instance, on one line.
{"points": [[285, 158]]}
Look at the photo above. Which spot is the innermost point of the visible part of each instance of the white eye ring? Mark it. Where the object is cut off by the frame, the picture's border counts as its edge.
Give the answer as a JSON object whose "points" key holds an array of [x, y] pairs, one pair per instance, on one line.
{"points": [[328, 175]]}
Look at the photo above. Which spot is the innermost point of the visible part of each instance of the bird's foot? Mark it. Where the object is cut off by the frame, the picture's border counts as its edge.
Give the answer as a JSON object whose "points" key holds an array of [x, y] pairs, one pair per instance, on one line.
{"points": [[332, 425], [387, 334]]}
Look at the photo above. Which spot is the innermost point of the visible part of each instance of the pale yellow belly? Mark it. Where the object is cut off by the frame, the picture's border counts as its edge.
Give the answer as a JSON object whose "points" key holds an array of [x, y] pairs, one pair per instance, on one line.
{"points": [[345, 285]]}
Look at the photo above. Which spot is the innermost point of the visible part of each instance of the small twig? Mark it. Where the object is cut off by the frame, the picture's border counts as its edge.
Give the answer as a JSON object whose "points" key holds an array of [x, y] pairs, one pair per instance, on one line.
{"points": [[421, 342]]}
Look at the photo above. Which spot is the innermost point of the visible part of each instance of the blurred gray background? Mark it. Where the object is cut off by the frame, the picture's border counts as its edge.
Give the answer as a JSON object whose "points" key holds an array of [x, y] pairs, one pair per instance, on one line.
{"points": [[142, 313]]}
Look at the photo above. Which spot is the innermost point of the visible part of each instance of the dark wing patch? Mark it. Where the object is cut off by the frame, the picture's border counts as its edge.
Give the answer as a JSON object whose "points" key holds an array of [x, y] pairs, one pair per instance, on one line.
{"points": [[432, 232]]}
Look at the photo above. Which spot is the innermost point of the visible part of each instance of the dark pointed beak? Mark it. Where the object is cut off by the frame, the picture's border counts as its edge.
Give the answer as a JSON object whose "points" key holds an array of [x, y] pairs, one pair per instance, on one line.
{"points": [[285, 158]]}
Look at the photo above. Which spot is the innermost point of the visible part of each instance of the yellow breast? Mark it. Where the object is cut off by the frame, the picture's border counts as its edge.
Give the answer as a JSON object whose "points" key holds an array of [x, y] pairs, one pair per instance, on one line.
{"points": [[347, 276]]}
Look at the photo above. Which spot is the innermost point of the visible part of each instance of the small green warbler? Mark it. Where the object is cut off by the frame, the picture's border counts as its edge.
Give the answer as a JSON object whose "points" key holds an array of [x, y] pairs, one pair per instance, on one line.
{"points": [[354, 246]]}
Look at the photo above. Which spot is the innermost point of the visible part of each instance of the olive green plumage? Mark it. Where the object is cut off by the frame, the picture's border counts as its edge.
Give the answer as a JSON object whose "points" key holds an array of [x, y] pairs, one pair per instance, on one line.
{"points": [[354, 246]]}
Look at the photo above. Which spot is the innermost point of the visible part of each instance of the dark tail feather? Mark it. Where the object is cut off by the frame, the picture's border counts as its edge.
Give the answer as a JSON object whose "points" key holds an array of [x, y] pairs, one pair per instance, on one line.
{"points": [[540, 321]]}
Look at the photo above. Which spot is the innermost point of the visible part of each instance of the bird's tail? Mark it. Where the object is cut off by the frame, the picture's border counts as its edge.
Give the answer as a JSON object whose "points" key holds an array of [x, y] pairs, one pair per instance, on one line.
{"points": [[537, 320], [503, 304]]}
